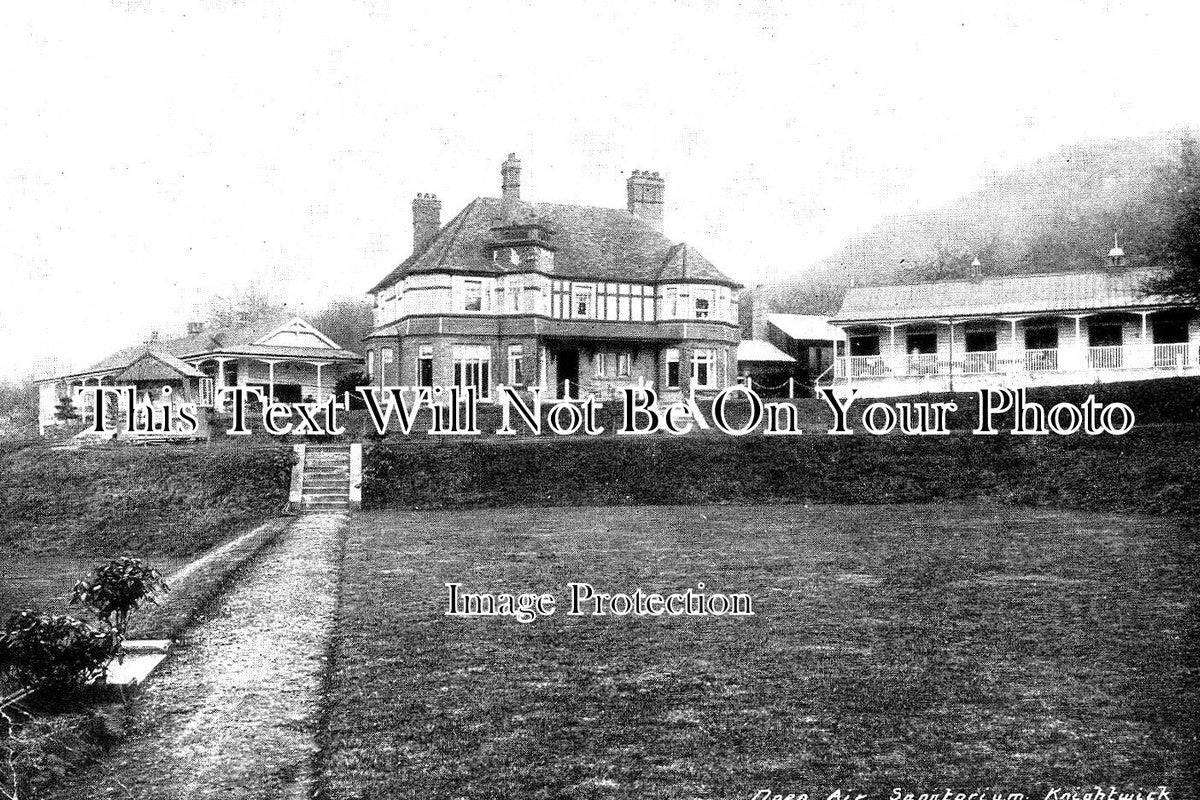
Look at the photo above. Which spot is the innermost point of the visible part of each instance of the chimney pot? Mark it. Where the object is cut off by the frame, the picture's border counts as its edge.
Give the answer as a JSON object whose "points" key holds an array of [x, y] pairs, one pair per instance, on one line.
{"points": [[195, 328]]}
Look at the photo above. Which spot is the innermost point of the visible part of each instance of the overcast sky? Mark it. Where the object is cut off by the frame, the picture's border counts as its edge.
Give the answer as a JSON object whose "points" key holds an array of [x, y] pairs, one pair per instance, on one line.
{"points": [[153, 154]]}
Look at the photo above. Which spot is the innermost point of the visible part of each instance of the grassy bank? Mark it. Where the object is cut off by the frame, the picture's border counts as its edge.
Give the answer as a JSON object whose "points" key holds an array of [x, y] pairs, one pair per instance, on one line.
{"points": [[175, 501], [960, 645], [1152, 469]]}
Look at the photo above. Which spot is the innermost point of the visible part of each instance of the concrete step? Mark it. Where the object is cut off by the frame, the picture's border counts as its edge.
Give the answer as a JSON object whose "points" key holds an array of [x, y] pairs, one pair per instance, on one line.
{"points": [[324, 504], [327, 480]]}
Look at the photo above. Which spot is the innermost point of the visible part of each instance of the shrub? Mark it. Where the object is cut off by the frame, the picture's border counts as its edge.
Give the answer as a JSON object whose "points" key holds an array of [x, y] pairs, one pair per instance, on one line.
{"points": [[56, 652], [116, 589]]}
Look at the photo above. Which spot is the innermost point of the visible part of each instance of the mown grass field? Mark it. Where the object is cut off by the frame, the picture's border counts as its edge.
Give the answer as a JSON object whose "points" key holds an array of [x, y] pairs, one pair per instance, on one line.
{"points": [[918, 646]]}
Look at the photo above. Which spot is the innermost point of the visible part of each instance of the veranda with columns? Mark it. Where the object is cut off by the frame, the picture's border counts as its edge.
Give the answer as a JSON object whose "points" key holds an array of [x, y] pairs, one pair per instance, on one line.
{"points": [[1060, 348]]}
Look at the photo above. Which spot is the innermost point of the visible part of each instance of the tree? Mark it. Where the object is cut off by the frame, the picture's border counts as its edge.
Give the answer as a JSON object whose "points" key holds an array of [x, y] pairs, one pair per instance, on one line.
{"points": [[1181, 277], [347, 321], [65, 411], [249, 306], [348, 385]]}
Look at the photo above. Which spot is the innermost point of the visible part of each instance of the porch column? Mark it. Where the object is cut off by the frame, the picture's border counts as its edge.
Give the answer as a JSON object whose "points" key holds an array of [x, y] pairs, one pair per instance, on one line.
{"points": [[1016, 361], [270, 381], [1079, 359], [318, 365], [220, 373], [1145, 357], [895, 361]]}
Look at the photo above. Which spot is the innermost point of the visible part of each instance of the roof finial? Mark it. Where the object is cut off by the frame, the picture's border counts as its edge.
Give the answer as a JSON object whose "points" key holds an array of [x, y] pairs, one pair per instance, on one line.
{"points": [[1116, 256]]}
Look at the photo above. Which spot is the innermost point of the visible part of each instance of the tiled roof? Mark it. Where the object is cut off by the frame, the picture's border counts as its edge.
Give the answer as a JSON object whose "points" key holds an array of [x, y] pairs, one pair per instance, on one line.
{"points": [[231, 341], [805, 327], [153, 365], [758, 350], [602, 243], [1009, 295]]}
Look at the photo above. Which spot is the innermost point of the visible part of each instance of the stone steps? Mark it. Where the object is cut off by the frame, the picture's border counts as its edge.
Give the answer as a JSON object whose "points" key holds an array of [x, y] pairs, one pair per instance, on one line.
{"points": [[326, 477]]}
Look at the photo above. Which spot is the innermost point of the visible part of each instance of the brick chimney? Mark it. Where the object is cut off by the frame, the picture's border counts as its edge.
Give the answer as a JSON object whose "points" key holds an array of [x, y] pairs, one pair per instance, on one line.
{"points": [[645, 191], [510, 187], [427, 219], [194, 328]]}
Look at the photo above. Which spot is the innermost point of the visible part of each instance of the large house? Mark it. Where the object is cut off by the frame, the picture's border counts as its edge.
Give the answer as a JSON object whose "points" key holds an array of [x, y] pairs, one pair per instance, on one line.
{"points": [[287, 358], [574, 299], [1014, 331]]}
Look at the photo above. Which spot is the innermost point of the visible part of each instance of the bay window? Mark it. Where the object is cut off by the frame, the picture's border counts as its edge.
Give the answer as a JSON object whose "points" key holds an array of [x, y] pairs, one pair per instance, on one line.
{"points": [[473, 367]]}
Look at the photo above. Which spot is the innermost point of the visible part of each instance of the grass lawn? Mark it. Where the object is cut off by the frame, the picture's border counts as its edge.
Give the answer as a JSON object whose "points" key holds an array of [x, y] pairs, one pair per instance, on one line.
{"points": [[929, 646]]}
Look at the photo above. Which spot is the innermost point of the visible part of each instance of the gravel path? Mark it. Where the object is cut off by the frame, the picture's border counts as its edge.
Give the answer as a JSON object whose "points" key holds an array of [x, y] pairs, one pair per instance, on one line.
{"points": [[232, 713]]}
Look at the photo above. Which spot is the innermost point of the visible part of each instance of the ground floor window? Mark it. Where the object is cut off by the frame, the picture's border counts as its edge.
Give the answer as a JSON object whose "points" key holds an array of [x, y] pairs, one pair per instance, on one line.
{"points": [[704, 369], [206, 393], [425, 365], [385, 359], [515, 353], [473, 367], [613, 364], [370, 363], [672, 359], [624, 365]]}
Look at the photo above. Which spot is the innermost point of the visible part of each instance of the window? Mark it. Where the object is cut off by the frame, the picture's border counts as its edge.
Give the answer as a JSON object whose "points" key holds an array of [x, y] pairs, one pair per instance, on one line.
{"points": [[671, 301], [472, 295], [601, 362], [704, 299], [672, 368], [584, 296], [370, 363], [514, 298], [515, 375], [704, 371], [473, 367], [385, 359], [425, 365], [206, 393], [624, 365]]}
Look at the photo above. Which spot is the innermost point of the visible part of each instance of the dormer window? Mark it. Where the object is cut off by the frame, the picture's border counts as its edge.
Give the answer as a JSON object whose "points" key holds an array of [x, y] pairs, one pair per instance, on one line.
{"points": [[703, 304]]}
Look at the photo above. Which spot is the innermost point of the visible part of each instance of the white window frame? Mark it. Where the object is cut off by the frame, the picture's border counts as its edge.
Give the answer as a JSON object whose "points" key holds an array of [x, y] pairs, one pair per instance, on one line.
{"points": [[672, 357], [206, 393], [424, 353], [705, 296], [671, 301], [371, 364], [467, 300], [515, 374], [587, 293], [624, 364], [709, 359], [472, 366]]}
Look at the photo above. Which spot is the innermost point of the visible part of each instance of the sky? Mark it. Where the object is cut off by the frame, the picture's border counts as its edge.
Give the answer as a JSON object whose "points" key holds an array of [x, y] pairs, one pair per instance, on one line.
{"points": [[155, 154]]}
